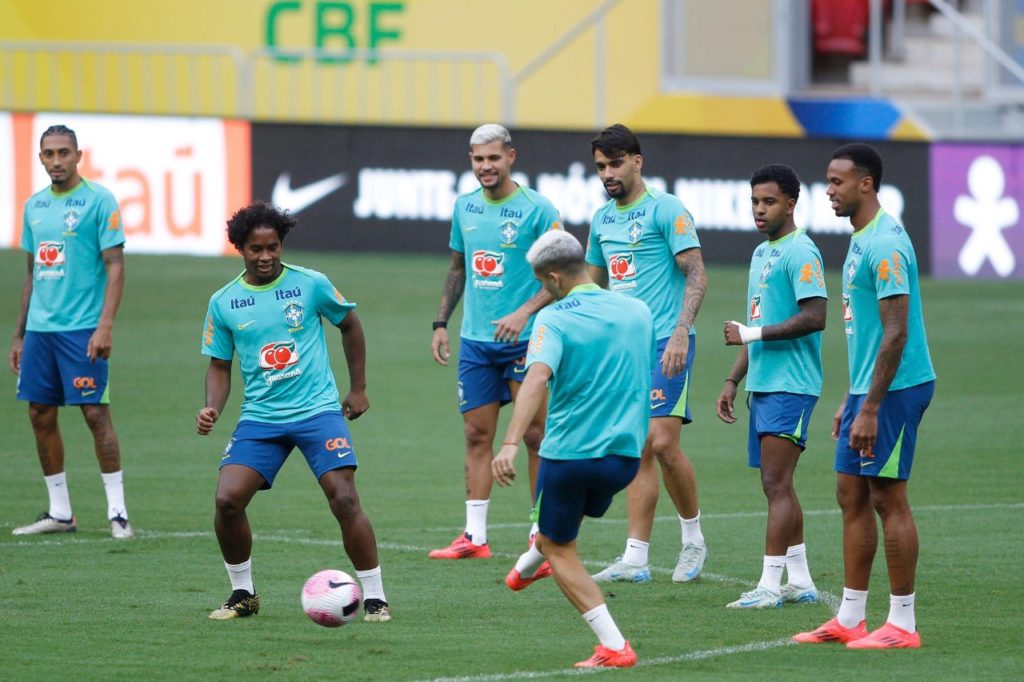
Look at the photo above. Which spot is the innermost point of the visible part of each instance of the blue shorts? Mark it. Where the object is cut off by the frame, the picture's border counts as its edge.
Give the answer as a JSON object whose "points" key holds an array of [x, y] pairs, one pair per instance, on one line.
{"points": [[898, 419], [486, 368], [669, 397], [569, 489], [323, 439], [56, 371], [786, 415]]}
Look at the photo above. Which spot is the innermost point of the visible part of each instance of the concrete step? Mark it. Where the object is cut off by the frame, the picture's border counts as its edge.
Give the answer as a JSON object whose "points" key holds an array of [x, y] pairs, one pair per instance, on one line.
{"points": [[897, 78]]}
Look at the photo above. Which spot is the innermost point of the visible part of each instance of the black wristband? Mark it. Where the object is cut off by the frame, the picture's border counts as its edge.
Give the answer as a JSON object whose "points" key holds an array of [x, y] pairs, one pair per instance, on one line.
{"points": [[440, 324], [734, 382]]}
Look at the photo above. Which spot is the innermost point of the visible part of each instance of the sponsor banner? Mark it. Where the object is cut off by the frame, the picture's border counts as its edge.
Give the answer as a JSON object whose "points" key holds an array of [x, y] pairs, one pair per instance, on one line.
{"points": [[176, 179], [393, 189], [977, 197]]}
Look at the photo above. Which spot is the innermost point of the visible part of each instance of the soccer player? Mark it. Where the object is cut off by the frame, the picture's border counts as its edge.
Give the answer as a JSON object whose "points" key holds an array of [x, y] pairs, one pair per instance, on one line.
{"points": [[64, 333], [585, 457], [271, 315], [780, 356], [643, 243], [492, 229], [891, 384]]}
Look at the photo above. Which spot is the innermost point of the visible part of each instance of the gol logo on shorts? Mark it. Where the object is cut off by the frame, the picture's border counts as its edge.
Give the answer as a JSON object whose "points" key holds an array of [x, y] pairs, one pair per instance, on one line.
{"points": [[84, 382], [333, 444]]}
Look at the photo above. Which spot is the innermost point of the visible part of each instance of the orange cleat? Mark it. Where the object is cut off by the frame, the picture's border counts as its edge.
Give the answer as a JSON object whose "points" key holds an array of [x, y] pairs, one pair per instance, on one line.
{"points": [[517, 582], [832, 631], [888, 636], [462, 548], [610, 658]]}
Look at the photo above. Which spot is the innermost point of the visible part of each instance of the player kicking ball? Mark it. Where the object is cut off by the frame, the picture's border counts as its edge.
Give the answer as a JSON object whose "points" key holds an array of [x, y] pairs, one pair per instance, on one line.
{"points": [[585, 457], [271, 315]]}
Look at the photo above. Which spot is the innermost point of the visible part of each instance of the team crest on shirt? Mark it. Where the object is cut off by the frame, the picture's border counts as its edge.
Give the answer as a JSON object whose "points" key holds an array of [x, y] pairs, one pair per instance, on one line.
{"points": [[766, 271], [635, 232], [293, 315], [70, 220], [851, 270], [509, 233], [755, 308]]}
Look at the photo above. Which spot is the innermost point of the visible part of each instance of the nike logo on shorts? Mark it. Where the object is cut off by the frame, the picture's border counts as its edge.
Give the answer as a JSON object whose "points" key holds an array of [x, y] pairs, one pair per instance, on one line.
{"points": [[86, 394]]}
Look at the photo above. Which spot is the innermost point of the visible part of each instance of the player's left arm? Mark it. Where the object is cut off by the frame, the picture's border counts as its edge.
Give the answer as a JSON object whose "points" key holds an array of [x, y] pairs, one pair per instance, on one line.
{"points": [[509, 327], [809, 319], [691, 262], [354, 344], [531, 396], [102, 340], [893, 311]]}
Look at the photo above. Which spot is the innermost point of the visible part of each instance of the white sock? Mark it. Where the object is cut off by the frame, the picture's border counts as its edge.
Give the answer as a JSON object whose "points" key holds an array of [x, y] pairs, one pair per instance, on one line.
{"points": [[600, 621], [636, 553], [529, 561], [771, 574], [114, 485], [60, 499], [853, 607], [241, 576], [373, 586], [901, 611], [534, 529], [691, 530], [796, 566], [476, 521]]}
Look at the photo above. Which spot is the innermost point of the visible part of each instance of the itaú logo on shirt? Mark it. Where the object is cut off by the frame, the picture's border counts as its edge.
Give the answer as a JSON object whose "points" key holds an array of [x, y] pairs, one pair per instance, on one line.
{"points": [[620, 266], [278, 355], [50, 254], [488, 263]]}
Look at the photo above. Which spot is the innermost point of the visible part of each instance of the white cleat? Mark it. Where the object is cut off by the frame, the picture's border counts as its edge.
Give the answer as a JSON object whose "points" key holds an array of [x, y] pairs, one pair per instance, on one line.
{"points": [[45, 523], [690, 564], [758, 598], [621, 572], [121, 529], [795, 594]]}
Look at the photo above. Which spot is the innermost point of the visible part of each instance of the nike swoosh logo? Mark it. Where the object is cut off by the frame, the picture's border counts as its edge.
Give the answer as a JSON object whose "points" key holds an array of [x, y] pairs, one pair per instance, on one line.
{"points": [[243, 325], [335, 585], [285, 197], [657, 405], [344, 454], [865, 464], [36, 221], [87, 393], [470, 229], [516, 370]]}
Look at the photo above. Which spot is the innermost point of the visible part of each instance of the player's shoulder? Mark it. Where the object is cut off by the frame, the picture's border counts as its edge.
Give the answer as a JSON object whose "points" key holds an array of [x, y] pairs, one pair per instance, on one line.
{"points": [[803, 241], [534, 197], [226, 289], [42, 195], [475, 195], [98, 189], [605, 208], [663, 199], [302, 272]]}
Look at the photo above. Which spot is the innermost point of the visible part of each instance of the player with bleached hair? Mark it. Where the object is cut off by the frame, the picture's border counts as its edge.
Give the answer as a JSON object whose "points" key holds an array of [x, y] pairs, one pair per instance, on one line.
{"points": [[492, 229], [586, 457]]}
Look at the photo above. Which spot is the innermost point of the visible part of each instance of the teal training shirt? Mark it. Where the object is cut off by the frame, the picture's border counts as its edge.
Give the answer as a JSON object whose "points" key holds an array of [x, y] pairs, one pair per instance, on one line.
{"points": [[600, 347], [783, 273], [638, 244], [494, 236], [881, 263], [277, 332], [67, 234]]}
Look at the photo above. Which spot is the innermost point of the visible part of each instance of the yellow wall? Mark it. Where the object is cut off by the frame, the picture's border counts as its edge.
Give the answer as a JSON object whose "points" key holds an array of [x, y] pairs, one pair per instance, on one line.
{"points": [[558, 95]]}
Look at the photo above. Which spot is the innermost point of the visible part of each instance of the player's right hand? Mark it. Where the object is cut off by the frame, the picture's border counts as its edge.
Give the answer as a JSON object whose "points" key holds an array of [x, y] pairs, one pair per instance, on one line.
{"points": [[439, 346], [725, 402], [14, 358], [503, 466], [205, 419]]}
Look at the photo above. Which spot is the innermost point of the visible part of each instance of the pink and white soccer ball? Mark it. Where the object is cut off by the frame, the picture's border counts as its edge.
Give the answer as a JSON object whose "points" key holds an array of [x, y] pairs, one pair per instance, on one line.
{"points": [[331, 598]]}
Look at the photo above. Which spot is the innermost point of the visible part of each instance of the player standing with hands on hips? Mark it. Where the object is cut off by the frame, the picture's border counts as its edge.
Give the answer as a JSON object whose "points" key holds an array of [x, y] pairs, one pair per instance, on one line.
{"points": [[271, 316], [781, 360]]}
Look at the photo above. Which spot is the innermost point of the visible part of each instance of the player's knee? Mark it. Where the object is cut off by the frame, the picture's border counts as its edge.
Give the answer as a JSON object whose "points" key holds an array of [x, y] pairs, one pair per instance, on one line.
{"points": [[665, 450], [533, 436], [477, 435], [229, 506], [344, 505], [97, 417], [43, 417], [776, 486]]}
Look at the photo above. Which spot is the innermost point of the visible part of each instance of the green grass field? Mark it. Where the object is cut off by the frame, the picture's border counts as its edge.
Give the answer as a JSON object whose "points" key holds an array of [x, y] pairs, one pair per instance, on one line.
{"points": [[87, 607]]}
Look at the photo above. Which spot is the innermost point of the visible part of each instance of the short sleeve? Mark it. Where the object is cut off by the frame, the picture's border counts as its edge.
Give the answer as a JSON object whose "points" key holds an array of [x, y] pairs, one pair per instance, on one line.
{"points": [[806, 272], [594, 255], [329, 301], [888, 266], [548, 219], [545, 344], [676, 224], [217, 339], [27, 239], [455, 242], [108, 218]]}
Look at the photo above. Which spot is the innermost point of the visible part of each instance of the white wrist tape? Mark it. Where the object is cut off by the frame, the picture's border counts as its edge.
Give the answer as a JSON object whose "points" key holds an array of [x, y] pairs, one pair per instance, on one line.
{"points": [[749, 334]]}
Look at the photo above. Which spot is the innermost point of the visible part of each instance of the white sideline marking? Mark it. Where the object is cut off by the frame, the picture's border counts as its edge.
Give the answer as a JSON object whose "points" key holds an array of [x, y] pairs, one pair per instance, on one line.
{"points": [[642, 663]]}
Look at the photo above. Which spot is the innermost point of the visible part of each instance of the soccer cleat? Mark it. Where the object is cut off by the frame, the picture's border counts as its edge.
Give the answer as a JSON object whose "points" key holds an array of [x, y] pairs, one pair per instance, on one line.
{"points": [[758, 598], [120, 529], [621, 572], [795, 594], [832, 631], [517, 582], [690, 564], [45, 523], [376, 611], [888, 636], [462, 548], [610, 658], [240, 604]]}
